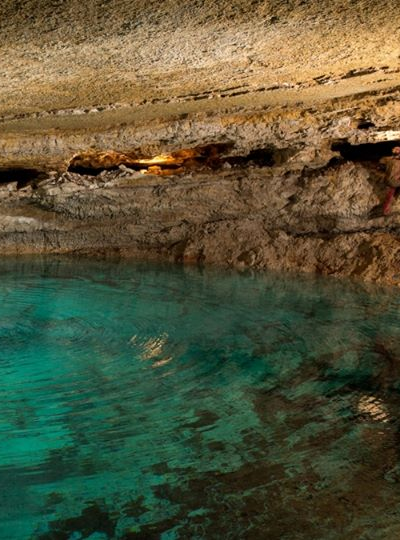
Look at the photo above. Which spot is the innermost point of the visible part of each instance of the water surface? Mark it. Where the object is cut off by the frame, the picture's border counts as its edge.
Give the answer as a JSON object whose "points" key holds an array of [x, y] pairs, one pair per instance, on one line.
{"points": [[146, 402]]}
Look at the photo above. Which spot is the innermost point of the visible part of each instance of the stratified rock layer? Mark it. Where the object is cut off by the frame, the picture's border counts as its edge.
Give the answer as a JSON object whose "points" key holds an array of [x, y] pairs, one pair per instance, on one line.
{"points": [[310, 209], [292, 91]]}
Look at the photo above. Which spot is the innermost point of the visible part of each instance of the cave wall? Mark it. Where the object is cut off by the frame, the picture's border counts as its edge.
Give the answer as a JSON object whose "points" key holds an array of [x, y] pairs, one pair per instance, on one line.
{"points": [[305, 95], [313, 211]]}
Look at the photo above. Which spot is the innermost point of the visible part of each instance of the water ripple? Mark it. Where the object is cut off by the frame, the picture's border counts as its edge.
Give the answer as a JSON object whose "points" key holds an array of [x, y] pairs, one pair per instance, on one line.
{"points": [[144, 400]]}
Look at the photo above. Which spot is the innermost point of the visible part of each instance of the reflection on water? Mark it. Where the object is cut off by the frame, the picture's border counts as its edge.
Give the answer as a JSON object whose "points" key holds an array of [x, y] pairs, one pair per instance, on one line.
{"points": [[160, 402], [374, 407]]}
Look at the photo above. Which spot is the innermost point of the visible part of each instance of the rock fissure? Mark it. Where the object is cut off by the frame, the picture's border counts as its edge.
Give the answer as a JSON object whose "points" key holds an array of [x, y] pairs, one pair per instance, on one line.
{"points": [[332, 234], [211, 156], [365, 152], [21, 177]]}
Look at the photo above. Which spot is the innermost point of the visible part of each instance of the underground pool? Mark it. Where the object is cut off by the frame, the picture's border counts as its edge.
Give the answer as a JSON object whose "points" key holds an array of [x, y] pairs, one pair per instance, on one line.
{"points": [[160, 402]]}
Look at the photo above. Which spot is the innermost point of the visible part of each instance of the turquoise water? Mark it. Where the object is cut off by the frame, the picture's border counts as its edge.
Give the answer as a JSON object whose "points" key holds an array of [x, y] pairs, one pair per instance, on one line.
{"points": [[146, 402]]}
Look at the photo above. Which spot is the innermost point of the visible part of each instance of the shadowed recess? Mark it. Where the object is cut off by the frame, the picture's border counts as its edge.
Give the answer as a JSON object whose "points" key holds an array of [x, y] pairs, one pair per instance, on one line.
{"points": [[93, 161], [22, 176], [212, 156], [365, 152]]}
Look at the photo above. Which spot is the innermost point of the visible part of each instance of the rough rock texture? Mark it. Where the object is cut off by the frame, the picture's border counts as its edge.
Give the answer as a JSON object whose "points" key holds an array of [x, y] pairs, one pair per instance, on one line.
{"points": [[292, 87], [70, 54], [319, 220]]}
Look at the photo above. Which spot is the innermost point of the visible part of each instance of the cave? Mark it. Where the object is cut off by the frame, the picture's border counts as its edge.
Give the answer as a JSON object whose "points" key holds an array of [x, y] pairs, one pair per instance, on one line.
{"points": [[200, 270]]}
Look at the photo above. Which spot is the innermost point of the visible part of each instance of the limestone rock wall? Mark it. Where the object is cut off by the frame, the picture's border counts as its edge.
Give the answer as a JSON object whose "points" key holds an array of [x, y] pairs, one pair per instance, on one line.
{"points": [[302, 83], [326, 219]]}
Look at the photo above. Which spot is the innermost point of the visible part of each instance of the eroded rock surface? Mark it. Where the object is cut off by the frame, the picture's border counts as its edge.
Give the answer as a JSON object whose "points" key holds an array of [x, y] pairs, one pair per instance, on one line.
{"points": [[321, 217], [302, 99]]}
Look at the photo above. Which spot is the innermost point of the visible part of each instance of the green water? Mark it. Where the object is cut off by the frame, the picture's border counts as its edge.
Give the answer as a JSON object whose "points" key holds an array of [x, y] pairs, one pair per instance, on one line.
{"points": [[153, 402]]}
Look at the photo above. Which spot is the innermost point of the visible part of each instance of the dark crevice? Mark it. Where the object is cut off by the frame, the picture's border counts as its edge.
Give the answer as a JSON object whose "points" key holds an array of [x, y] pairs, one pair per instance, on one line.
{"points": [[93, 163], [89, 171], [359, 72], [365, 152], [23, 177], [365, 124], [330, 234], [211, 156], [261, 157], [310, 172]]}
